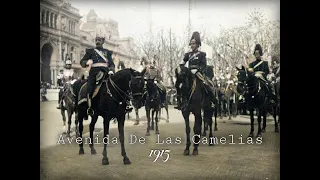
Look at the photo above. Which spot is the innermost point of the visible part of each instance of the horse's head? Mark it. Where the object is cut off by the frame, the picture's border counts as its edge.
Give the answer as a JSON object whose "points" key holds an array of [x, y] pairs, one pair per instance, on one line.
{"points": [[151, 88], [182, 74], [136, 84], [242, 77]]}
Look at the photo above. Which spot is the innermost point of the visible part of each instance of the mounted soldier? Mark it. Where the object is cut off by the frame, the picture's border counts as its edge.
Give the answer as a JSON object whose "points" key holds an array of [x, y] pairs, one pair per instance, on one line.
{"points": [[261, 68], [65, 76], [196, 61], [152, 72], [100, 60]]}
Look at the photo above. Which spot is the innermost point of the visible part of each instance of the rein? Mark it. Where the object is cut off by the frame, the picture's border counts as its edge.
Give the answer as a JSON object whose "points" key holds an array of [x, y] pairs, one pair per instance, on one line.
{"points": [[115, 87]]}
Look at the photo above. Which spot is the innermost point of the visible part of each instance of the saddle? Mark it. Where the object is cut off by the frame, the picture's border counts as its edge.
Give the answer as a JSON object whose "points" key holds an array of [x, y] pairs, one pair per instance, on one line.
{"points": [[83, 90]]}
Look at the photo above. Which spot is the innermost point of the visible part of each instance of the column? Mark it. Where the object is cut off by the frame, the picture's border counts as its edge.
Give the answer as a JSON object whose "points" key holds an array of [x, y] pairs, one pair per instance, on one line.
{"points": [[55, 21], [44, 17], [55, 75], [52, 77]]}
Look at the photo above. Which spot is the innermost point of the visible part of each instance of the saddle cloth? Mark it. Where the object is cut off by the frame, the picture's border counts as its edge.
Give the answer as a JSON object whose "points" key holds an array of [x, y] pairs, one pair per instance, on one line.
{"points": [[83, 90]]}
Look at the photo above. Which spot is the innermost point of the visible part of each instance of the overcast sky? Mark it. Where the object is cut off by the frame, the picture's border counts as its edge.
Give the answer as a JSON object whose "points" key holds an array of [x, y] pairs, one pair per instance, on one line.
{"points": [[133, 16]]}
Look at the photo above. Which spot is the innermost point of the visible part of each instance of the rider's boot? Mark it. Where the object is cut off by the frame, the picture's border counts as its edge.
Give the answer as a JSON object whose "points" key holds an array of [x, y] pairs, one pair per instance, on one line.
{"points": [[59, 102], [178, 102], [89, 111]]}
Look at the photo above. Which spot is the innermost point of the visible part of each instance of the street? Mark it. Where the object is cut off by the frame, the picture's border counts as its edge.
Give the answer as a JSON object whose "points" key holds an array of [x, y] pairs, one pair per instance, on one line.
{"points": [[232, 157]]}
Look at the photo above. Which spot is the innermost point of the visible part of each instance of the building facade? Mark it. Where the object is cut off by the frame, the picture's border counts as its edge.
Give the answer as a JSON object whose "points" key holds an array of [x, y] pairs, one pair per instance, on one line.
{"points": [[64, 34], [59, 37]]}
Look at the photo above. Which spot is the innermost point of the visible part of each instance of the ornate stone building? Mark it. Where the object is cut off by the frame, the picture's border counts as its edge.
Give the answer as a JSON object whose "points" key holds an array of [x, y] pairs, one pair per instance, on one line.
{"points": [[59, 37], [64, 36]]}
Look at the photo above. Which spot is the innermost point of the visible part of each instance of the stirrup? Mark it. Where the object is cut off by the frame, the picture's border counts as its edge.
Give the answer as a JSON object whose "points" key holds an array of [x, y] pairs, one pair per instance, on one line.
{"points": [[90, 109]]}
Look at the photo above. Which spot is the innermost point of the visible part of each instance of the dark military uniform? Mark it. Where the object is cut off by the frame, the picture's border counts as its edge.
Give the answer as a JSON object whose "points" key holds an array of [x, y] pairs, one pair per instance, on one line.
{"points": [[197, 61], [263, 66], [96, 58]]}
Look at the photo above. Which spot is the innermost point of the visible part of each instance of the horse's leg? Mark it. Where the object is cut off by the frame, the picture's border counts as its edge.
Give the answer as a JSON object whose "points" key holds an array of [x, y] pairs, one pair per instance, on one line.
{"points": [[93, 122], [197, 131], [276, 128], [121, 136], [187, 123], [205, 122], [157, 111], [69, 112], [148, 118], [210, 126], [160, 112], [137, 116], [251, 122], [80, 120], [264, 120], [63, 113], [167, 112], [260, 113], [215, 119], [106, 122], [229, 108], [76, 123], [152, 119]]}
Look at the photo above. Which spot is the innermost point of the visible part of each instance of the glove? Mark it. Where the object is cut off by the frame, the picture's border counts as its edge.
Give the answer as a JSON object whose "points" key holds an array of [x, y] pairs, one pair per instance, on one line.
{"points": [[194, 71], [110, 73], [89, 62]]}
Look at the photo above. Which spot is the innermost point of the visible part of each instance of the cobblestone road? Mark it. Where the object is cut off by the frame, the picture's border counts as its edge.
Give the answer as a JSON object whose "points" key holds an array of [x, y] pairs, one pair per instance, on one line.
{"points": [[220, 162]]}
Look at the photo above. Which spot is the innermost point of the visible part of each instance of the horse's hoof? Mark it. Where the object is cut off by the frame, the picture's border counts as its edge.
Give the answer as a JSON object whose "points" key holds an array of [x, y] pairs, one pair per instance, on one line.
{"points": [[276, 130], [147, 133], [136, 123], [195, 152], [204, 134], [68, 135], [263, 130], [157, 132], [167, 121], [186, 152], [81, 151], [126, 161], [215, 129], [93, 151], [251, 135], [105, 161], [259, 135]]}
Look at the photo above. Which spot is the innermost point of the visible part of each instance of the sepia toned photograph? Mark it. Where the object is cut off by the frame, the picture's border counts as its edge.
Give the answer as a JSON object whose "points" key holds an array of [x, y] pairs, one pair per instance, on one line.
{"points": [[151, 89]]}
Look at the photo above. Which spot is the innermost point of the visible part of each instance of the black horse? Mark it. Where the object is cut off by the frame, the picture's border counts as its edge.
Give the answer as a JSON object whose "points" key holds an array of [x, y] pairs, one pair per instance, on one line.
{"points": [[210, 110], [193, 100], [256, 95], [108, 102], [152, 102]]}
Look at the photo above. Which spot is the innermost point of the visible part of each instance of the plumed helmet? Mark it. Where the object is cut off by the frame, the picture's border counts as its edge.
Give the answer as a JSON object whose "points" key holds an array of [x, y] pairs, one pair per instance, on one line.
{"points": [[259, 48], [196, 36], [100, 37]]}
